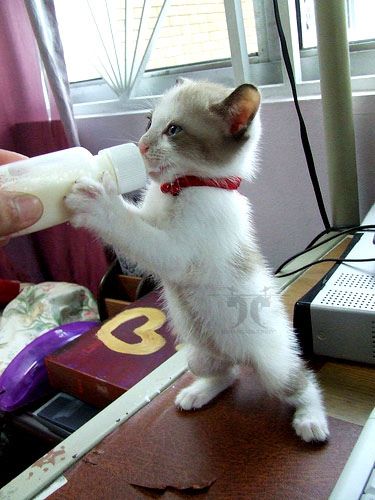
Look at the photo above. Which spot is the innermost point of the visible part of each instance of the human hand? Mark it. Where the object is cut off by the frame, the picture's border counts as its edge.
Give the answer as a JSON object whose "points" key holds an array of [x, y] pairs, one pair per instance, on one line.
{"points": [[17, 210]]}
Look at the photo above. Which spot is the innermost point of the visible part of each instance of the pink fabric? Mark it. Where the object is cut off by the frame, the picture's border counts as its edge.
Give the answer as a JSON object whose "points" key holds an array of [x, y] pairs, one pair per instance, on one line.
{"points": [[39, 137], [61, 253], [21, 94]]}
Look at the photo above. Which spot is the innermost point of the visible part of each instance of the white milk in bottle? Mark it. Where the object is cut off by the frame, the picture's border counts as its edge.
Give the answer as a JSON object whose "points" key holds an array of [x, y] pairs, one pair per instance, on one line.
{"points": [[51, 176]]}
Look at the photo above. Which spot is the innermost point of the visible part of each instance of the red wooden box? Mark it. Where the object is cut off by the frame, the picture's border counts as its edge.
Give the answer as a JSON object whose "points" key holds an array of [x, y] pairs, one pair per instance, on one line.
{"points": [[106, 361]]}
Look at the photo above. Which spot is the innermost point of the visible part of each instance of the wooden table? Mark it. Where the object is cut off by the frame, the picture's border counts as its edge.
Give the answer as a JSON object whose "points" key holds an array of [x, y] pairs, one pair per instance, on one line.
{"points": [[224, 443], [349, 391]]}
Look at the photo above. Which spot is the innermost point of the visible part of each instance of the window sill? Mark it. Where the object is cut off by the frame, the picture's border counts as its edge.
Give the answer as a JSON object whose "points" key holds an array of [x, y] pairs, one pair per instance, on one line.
{"points": [[307, 91]]}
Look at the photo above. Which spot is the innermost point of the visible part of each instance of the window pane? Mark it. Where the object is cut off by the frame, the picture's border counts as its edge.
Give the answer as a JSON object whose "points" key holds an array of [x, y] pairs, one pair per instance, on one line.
{"points": [[193, 31], [73, 32], [196, 31], [361, 25], [361, 16]]}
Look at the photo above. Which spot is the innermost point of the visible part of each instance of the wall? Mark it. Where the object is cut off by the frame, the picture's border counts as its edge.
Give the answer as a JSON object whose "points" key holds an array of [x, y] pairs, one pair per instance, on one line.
{"points": [[285, 211]]}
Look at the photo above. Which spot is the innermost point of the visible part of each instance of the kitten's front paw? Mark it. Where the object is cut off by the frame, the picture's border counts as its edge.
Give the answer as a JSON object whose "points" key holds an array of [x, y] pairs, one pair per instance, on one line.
{"points": [[311, 427], [89, 200], [203, 390], [192, 398]]}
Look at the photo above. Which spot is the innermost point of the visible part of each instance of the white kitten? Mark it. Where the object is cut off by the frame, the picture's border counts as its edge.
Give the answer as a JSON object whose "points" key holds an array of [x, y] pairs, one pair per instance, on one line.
{"points": [[221, 298]]}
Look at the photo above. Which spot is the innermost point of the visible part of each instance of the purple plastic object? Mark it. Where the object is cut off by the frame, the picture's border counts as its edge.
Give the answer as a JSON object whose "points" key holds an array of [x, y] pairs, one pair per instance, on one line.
{"points": [[25, 378]]}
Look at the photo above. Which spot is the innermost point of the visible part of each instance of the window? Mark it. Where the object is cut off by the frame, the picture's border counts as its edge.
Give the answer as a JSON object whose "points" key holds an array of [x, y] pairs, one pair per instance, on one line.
{"points": [[361, 36], [193, 31], [121, 53], [360, 22]]}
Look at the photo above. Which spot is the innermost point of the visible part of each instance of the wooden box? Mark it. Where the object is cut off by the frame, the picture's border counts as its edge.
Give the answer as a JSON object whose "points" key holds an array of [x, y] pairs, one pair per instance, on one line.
{"points": [[118, 290], [106, 361]]}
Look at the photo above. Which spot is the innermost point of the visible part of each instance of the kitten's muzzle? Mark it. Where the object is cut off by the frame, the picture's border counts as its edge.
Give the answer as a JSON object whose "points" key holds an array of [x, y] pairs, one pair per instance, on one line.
{"points": [[143, 147], [156, 172]]}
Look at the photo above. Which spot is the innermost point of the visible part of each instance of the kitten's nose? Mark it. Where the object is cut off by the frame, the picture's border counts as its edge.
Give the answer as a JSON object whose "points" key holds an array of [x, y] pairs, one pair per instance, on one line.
{"points": [[143, 147]]}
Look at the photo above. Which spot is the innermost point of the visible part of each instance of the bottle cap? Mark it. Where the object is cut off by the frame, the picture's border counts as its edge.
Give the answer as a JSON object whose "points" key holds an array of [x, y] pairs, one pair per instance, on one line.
{"points": [[128, 165]]}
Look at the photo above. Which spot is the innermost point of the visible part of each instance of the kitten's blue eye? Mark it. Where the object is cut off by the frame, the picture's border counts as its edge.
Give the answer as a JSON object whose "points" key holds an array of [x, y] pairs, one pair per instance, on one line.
{"points": [[149, 123], [173, 129]]}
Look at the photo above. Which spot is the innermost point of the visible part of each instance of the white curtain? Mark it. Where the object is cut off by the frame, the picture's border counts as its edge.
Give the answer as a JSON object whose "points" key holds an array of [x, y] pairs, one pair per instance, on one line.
{"points": [[43, 20]]}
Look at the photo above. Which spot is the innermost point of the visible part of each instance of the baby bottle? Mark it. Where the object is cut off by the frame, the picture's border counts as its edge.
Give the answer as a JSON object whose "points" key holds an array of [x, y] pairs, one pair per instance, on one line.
{"points": [[51, 176]]}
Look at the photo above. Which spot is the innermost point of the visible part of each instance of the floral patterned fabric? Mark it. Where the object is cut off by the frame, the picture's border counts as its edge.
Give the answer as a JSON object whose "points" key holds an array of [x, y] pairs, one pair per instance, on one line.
{"points": [[39, 308]]}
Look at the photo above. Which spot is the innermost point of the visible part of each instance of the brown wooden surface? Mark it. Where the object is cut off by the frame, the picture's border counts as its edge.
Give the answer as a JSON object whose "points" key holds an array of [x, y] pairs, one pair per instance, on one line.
{"points": [[115, 306], [111, 358], [349, 390], [240, 446], [130, 285]]}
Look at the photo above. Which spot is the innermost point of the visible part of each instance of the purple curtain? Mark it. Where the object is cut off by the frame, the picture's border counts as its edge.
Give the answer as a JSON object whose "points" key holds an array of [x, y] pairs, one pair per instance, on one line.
{"points": [[21, 93], [60, 253]]}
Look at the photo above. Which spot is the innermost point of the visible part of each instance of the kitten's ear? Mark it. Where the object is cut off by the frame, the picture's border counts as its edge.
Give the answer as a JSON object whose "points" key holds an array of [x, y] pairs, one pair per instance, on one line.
{"points": [[239, 108]]}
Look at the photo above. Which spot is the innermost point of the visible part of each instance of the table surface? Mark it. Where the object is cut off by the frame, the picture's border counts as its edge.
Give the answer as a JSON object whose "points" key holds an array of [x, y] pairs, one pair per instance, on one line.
{"points": [[349, 391], [348, 387]]}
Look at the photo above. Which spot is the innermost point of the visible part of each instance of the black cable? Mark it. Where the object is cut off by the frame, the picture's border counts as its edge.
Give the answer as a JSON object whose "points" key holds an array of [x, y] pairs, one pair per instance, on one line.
{"points": [[320, 261], [311, 246], [341, 230], [303, 130], [316, 238], [311, 168], [366, 227]]}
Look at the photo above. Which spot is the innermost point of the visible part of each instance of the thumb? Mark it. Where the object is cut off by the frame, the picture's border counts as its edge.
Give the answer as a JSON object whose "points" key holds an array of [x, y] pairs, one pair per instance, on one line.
{"points": [[18, 211]]}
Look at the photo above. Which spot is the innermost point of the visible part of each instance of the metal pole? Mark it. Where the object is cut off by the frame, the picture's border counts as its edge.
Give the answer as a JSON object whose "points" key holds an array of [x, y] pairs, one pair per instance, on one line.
{"points": [[336, 92]]}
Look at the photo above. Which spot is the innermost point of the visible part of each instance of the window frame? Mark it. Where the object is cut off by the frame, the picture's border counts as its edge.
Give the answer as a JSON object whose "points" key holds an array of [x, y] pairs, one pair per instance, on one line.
{"points": [[94, 97]]}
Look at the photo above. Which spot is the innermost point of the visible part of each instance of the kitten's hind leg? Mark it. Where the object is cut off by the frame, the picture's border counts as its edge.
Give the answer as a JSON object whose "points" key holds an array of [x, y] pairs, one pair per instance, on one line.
{"points": [[214, 376], [309, 421], [298, 387]]}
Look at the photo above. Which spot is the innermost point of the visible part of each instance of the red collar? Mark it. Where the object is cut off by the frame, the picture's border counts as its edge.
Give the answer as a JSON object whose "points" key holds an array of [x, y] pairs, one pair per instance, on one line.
{"points": [[175, 187]]}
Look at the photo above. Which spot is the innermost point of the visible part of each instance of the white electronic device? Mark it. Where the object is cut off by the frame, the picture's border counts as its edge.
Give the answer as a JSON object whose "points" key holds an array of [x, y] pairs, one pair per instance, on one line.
{"points": [[337, 317]]}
